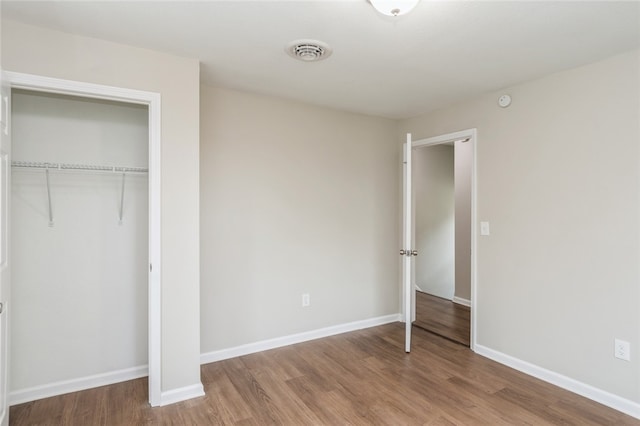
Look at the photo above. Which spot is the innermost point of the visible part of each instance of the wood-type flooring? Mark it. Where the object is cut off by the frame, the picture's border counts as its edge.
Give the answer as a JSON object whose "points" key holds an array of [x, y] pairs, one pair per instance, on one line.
{"points": [[443, 317], [358, 378]]}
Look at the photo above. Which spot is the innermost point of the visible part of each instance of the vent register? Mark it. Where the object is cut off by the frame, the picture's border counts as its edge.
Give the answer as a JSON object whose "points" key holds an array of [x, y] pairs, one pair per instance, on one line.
{"points": [[308, 50]]}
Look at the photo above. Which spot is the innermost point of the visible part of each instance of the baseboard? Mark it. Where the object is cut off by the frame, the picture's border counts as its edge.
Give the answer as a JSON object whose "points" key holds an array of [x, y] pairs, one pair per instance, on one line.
{"points": [[176, 395], [278, 342], [82, 383], [603, 397], [461, 301], [181, 394]]}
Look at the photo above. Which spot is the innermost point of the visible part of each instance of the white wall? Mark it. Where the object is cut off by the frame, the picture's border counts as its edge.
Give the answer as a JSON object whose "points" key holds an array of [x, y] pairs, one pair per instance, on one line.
{"points": [[79, 298], [434, 195], [559, 181], [295, 199], [34, 50]]}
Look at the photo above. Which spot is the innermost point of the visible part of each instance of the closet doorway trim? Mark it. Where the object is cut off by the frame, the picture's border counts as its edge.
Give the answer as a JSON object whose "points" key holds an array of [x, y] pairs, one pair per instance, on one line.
{"points": [[153, 102]]}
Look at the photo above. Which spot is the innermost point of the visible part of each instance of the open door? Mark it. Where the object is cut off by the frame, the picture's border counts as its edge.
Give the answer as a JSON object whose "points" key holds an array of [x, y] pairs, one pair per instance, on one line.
{"points": [[5, 188], [407, 252]]}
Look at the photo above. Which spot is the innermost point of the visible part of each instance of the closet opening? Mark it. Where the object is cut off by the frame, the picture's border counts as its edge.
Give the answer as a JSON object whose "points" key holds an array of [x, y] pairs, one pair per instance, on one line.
{"points": [[84, 237]]}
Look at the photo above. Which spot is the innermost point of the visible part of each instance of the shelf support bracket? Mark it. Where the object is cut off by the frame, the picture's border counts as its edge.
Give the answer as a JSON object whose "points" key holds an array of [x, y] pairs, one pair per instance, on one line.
{"points": [[46, 171], [122, 199]]}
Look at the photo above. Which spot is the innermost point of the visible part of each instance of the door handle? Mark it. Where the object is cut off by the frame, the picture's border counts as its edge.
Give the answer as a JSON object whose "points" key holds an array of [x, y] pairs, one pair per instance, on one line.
{"points": [[402, 252], [1, 306], [414, 252]]}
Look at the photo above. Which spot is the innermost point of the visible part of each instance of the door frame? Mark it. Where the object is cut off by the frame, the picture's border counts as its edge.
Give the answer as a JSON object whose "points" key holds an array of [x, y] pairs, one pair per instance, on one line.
{"points": [[153, 101], [471, 134], [5, 272]]}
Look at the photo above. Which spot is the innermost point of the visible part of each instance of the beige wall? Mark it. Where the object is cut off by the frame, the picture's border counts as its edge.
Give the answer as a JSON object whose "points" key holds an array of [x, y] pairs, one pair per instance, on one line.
{"points": [[294, 199], [43, 52], [558, 179], [434, 217]]}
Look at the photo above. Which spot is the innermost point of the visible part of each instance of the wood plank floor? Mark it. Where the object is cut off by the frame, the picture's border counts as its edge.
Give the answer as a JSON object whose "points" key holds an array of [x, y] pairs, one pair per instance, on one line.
{"points": [[443, 317], [358, 378]]}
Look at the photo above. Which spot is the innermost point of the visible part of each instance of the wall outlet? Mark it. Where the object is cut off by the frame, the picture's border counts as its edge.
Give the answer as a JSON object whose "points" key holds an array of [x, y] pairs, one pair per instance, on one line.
{"points": [[622, 350], [306, 300]]}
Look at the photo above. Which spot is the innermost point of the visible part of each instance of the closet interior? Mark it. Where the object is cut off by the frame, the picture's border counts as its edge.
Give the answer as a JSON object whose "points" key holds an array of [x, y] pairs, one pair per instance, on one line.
{"points": [[79, 241]]}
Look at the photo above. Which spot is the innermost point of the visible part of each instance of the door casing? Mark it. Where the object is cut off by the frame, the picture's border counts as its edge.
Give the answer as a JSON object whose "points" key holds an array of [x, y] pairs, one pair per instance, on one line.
{"points": [[5, 271], [410, 299]]}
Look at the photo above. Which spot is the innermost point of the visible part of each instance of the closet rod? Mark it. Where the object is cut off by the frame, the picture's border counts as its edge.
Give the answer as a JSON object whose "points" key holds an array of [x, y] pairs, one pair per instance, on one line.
{"points": [[83, 167]]}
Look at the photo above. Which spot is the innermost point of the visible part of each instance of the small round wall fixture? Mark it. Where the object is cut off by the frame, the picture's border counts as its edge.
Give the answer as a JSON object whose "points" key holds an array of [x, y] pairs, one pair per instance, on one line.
{"points": [[308, 50], [393, 7], [504, 101]]}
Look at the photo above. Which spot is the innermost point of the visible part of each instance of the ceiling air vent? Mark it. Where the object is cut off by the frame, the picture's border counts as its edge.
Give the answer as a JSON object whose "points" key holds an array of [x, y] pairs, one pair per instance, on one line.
{"points": [[308, 50]]}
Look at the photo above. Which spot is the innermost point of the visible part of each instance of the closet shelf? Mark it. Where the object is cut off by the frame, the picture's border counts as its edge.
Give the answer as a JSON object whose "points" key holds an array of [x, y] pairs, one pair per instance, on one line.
{"points": [[83, 167], [47, 167]]}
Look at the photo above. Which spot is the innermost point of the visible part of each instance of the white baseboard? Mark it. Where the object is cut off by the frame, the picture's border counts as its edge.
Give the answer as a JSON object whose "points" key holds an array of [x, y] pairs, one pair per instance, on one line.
{"points": [[603, 397], [181, 394], [176, 395], [278, 342], [65, 386], [461, 301]]}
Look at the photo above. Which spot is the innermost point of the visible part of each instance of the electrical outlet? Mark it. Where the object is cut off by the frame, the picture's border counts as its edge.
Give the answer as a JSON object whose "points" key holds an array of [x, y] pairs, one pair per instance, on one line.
{"points": [[306, 300], [622, 350]]}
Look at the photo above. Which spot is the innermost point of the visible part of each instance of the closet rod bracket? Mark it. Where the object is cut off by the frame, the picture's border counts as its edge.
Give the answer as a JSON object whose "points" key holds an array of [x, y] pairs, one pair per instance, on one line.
{"points": [[49, 197], [122, 199]]}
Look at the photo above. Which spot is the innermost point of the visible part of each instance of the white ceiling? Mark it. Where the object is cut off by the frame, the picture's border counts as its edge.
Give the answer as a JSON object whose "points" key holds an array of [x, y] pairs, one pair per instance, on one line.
{"points": [[440, 53]]}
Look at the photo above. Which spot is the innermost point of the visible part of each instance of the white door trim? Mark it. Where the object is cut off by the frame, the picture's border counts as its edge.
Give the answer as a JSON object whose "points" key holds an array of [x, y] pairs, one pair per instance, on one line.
{"points": [[153, 101], [471, 134], [5, 261]]}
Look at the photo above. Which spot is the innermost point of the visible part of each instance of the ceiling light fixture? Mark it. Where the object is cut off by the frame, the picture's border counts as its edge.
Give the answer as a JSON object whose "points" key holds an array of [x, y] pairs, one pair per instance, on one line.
{"points": [[394, 7], [308, 50]]}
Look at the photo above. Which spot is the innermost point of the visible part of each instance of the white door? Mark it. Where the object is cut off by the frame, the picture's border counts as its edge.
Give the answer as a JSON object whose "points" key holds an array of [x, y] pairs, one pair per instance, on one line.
{"points": [[407, 252], [5, 188]]}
